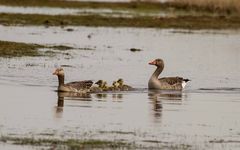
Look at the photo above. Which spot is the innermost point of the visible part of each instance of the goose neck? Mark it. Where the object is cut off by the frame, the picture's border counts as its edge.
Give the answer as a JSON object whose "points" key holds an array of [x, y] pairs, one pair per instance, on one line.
{"points": [[61, 80], [157, 72]]}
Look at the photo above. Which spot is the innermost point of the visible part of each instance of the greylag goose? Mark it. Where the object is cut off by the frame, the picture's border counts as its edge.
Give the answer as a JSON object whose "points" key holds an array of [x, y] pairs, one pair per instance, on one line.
{"points": [[122, 86], [102, 85], [95, 89], [78, 86], [114, 87], [166, 83]]}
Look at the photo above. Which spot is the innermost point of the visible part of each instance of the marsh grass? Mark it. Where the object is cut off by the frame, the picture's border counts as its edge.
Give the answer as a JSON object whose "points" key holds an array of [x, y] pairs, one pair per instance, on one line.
{"points": [[60, 47], [65, 144], [18, 49], [134, 5], [14, 49], [225, 7], [214, 6], [184, 22], [72, 144], [184, 14]]}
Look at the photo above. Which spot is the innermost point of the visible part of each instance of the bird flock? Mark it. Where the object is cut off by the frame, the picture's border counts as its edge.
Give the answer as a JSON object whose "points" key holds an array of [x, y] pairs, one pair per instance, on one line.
{"points": [[165, 83]]}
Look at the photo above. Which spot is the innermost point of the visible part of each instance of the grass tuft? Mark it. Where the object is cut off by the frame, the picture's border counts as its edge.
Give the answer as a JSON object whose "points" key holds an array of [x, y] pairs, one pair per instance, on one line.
{"points": [[14, 49], [184, 22], [184, 14], [216, 6], [18, 49], [64, 144]]}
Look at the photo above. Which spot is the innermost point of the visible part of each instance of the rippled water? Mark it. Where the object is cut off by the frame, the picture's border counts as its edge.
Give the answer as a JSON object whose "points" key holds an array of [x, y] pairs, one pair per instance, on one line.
{"points": [[204, 115]]}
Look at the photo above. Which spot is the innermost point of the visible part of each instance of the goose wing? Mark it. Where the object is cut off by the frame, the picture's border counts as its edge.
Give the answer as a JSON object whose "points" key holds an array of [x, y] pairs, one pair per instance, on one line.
{"points": [[80, 84], [172, 80]]}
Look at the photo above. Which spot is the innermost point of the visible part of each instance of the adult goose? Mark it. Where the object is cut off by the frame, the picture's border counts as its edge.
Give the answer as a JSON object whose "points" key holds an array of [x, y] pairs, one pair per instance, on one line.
{"points": [[78, 86], [166, 83]]}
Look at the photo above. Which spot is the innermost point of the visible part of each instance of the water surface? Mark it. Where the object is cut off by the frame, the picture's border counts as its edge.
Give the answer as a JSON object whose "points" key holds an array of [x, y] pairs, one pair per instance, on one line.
{"points": [[204, 115]]}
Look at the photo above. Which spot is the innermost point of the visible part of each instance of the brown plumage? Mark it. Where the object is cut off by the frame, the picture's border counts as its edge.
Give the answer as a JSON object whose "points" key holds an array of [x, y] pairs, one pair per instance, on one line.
{"points": [[166, 83], [77, 86], [80, 84]]}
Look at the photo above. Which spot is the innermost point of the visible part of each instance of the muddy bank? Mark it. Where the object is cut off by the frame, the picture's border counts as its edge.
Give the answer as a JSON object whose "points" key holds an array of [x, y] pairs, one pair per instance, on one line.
{"points": [[185, 22]]}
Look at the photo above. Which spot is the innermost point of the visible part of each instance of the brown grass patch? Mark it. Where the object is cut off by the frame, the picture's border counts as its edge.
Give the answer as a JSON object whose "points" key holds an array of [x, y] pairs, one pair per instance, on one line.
{"points": [[224, 6]]}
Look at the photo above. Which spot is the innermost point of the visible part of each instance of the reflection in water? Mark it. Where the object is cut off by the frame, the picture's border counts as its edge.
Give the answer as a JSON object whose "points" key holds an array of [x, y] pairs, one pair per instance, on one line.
{"points": [[101, 96], [83, 97], [74, 95], [104, 96], [70, 96], [60, 104], [59, 107], [117, 97], [157, 96]]}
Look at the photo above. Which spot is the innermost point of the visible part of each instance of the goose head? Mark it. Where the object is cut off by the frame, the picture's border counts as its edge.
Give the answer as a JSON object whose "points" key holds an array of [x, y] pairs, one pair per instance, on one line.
{"points": [[120, 81], [99, 82], [59, 72], [102, 84], [157, 62]]}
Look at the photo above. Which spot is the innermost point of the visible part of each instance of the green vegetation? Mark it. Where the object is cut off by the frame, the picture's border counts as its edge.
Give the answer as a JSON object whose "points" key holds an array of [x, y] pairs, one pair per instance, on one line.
{"points": [[215, 6], [210, 6], [64, 144], [17, 49], [13, 49], [89, 143], [185, 22], [60, 47], [94, 5], [185, 14]]}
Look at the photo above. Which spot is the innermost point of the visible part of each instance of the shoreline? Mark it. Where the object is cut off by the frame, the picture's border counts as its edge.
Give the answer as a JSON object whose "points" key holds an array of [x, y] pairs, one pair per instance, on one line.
{"points": [[181, 17], [183, 22]]}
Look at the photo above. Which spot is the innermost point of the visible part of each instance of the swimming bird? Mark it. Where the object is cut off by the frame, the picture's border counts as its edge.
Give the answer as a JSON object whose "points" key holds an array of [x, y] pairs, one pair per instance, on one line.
{"points": [[166, 83], [114, 87], [96, 89], [122, 86], [102, 85], [77, 86]]}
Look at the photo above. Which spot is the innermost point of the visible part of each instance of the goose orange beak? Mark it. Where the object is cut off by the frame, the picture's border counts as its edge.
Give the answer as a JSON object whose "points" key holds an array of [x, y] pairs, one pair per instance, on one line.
{"points": [[152, 63]]}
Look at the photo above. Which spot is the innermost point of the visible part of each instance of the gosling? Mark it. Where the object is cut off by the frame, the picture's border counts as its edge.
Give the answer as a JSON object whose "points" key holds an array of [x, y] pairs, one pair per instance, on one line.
{"points": [[114, 86], [102, 85], [122, 86]]}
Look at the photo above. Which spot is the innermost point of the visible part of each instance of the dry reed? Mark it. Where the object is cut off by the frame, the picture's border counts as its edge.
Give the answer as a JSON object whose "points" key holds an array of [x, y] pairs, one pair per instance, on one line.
{"points": [[225, 6]]}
